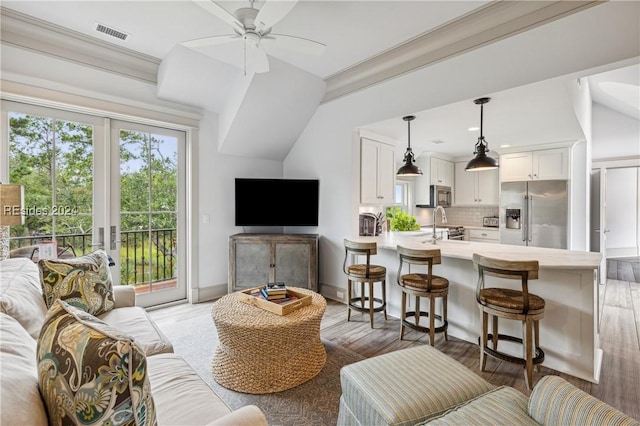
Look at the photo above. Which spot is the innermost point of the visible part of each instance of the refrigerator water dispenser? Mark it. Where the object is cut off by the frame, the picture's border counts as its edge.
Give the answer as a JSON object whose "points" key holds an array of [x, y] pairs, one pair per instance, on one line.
{"points": [[513, 219]]}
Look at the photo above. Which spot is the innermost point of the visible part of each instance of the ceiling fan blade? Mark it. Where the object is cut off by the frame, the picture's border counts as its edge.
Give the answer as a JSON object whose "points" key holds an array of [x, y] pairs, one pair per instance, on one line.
{"points": [[217, 10], [272, 12], [296, 44], [257, 60], [211, 41]]}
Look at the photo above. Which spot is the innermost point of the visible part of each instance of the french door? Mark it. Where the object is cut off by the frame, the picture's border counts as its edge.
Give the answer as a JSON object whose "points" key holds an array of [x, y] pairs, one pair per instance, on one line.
{"points": [[91, 182], [147, 229]]}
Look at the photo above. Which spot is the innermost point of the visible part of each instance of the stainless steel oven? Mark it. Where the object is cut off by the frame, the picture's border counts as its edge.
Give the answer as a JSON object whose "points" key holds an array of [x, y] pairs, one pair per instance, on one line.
{"points": [[456, 233], [441, 196]]}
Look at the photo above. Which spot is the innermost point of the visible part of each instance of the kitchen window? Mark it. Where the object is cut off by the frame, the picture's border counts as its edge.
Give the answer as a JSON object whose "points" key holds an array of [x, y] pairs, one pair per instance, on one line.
{"points": [[402, 196]]}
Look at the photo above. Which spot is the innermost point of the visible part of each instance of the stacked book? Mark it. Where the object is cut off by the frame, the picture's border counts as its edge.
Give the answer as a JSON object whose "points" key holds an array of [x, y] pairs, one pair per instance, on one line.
{"points": [[274, 291]]}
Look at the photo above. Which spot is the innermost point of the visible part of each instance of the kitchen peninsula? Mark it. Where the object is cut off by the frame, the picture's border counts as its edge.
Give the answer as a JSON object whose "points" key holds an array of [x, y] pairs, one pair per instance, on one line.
{"points": [[569, 331]]}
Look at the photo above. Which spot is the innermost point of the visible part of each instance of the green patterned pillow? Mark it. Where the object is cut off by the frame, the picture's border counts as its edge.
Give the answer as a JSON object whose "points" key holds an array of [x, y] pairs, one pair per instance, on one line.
{"points": [[90, 374], [83, 282]]}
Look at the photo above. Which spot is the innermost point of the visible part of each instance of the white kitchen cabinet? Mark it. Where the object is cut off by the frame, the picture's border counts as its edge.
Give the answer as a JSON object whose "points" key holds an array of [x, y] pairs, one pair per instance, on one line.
{"points": [[549, 164], [377, 172], [421, 183], [435, 171], [441, 172], [483, 235], [476, 188]]}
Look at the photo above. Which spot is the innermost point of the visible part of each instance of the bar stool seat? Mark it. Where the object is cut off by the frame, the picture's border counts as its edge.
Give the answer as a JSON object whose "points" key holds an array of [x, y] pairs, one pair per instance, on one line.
{"points": [[375, 271], [507, 299], [364, 273], [421, 285], [421, 281], [511, 304]]}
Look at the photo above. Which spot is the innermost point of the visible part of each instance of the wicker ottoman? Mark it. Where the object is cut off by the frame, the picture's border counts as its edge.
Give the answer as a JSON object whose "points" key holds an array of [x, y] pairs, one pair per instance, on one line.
{"points": [[261, 352], [405, 387]]}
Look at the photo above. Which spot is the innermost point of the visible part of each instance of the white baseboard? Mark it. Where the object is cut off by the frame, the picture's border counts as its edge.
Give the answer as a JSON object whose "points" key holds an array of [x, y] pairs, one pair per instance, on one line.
{"points": [[617, 252], [208, 293], [332, 292]]}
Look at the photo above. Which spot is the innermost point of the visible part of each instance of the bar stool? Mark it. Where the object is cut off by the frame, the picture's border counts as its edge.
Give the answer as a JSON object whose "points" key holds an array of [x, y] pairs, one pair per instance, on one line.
{"points": [[423, 285], [364, 273], [510, 304]]}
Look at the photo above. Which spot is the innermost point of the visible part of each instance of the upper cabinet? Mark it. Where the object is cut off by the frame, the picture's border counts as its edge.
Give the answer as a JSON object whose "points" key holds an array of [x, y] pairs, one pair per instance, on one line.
{"points": [[441, 172], [377, 172], [549, 164], [476, 188], [436, 171]]}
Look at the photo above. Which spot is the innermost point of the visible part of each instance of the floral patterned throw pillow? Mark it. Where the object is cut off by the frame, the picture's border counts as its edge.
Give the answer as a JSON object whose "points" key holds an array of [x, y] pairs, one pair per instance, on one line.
{"points": [[89, 373], [83, 282]]}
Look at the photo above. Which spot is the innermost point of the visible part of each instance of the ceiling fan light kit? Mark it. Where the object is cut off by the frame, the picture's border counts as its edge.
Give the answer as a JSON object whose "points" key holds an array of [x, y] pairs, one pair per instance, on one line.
{"points": [[409, 168], [252, 25], [481, 161]]}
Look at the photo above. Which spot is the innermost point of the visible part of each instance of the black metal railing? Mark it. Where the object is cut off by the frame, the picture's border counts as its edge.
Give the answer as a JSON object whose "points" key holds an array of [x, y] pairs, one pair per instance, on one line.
{"points": [[145, 256]]}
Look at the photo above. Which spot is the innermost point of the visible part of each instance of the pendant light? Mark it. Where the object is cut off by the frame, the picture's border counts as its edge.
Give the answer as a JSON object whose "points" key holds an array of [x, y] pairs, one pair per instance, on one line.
{"points": [[409, 168], [481, 160]]}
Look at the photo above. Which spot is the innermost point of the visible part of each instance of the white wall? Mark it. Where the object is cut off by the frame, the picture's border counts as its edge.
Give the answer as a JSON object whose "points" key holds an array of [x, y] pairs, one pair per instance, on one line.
{"points": [[215, 198], [580, 184], [576, 43], [615, 135]]}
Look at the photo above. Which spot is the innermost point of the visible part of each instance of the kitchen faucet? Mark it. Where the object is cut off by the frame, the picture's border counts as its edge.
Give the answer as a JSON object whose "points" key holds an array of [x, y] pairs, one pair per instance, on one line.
{"points": [[434, 236]]}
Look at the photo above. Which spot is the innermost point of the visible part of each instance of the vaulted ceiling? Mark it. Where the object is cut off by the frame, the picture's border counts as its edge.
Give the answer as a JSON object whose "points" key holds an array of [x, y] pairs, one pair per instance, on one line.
{"points": [[367, 42]]}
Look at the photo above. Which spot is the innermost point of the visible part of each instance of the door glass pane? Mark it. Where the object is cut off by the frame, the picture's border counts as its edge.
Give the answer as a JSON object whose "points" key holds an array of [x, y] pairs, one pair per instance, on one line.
{"points": [[148, 210], [53, 159]]}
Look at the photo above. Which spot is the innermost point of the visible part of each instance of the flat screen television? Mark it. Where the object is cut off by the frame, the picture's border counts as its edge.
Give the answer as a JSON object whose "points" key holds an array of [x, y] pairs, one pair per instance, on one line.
{"points": [[276, 202]]}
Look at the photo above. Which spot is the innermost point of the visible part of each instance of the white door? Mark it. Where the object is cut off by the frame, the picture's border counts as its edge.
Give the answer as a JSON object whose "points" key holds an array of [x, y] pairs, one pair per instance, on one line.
{"points": [[54, 155], [147, 231], [91, 183], [622, 211]]}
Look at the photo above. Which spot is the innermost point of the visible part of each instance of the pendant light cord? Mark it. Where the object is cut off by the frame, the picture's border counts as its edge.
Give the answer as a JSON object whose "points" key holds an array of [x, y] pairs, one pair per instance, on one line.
{"points": [[481, 120]]}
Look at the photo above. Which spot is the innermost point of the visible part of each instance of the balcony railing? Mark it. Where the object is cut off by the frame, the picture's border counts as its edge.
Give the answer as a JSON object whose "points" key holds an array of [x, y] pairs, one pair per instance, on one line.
{"points": [[146, 257]]}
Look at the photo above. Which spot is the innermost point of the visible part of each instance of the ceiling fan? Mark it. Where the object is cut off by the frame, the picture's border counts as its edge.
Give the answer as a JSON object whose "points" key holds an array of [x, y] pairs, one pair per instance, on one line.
{"points": [[253, 27]]}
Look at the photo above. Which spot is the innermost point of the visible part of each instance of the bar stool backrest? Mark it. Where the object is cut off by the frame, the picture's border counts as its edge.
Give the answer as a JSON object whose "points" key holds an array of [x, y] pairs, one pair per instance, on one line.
{"points": [[410, 256], [524, 270], [359, 248]]}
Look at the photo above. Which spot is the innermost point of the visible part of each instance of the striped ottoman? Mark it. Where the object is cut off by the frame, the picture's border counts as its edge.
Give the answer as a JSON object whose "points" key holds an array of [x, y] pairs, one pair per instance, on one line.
{"points": [[405, 387]]}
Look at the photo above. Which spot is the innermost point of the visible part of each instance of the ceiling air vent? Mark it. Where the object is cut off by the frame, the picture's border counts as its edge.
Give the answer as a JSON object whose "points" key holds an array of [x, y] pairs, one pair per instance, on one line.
{"points": [[111, 31]]}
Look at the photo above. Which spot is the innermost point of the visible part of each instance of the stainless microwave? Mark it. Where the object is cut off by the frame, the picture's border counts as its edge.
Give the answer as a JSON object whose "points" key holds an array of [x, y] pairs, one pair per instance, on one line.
{"points": [[441, 196]]}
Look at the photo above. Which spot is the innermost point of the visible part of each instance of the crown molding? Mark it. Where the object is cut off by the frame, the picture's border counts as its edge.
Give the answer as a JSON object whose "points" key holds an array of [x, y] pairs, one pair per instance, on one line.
{"points": [[490, 23], [32, 92], [26, 32], [538, 147]]}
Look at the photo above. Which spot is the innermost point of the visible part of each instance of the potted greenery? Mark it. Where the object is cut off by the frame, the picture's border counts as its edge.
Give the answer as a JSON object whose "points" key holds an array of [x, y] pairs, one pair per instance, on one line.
{"points": [[402, 221]]}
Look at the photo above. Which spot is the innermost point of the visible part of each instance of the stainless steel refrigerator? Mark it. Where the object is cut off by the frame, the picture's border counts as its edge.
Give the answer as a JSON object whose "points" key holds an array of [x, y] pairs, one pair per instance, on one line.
{"points": [[534, 213]]}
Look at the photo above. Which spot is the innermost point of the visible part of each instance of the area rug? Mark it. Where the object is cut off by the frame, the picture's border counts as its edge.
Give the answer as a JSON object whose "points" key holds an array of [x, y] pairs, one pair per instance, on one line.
{"points": [[314, 403]]}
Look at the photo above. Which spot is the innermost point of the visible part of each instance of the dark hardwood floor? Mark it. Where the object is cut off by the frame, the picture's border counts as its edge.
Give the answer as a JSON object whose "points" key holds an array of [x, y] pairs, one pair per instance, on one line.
{"points": [[619, 334]]}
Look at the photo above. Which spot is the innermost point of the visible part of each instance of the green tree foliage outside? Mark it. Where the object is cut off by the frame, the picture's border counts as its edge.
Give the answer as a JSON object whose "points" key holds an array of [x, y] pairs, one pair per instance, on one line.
{"points": [[53, 159]]}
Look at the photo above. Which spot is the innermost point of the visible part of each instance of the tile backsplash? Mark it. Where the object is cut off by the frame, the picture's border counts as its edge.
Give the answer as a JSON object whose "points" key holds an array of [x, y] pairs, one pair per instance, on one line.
{"points": [[469, 216]]}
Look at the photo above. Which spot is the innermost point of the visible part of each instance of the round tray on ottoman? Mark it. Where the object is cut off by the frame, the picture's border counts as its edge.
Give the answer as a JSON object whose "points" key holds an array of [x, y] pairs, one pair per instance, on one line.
{"points": [[261, 352]]}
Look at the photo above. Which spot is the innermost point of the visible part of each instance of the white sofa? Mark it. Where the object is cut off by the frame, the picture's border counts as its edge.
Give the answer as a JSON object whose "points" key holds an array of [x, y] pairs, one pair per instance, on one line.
{"points": [[180, 396]]}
